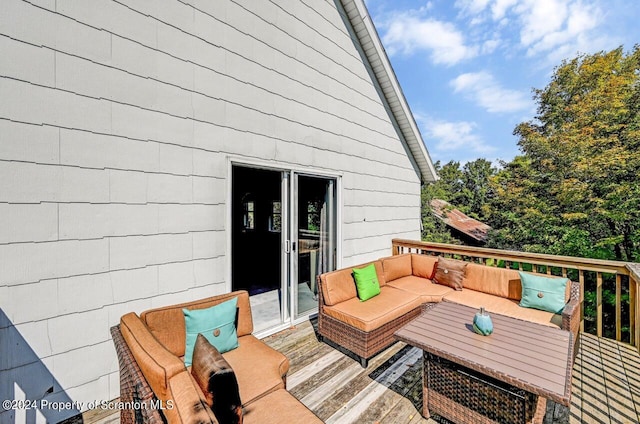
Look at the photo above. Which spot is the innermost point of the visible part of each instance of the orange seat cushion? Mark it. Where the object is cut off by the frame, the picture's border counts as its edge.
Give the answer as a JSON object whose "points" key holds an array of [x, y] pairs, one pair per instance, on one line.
{"points": [[427, 291], [390, 304], [188, 402], [278, 407], [259, 368]]}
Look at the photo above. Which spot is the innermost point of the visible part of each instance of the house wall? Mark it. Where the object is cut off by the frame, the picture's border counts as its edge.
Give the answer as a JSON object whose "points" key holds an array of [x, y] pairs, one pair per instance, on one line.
{"points": [[117, 120]]}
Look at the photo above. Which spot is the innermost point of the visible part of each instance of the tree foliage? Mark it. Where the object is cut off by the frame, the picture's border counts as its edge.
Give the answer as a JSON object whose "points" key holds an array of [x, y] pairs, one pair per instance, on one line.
{"points": [[433, 229], [575, 190]]}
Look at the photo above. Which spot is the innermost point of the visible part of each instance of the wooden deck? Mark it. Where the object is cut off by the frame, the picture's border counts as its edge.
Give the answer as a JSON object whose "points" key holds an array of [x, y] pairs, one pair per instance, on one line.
{"points": [[606, 383]]}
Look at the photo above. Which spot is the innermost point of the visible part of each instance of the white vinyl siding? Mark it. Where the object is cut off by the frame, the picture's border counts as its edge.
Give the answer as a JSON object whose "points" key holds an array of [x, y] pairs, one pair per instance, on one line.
{"points": [[116, 123]]}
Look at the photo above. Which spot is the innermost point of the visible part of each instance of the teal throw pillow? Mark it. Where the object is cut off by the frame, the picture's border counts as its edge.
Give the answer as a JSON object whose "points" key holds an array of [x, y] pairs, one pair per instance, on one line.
{"points": [[544, 293], [217, 324], [366, 282]]}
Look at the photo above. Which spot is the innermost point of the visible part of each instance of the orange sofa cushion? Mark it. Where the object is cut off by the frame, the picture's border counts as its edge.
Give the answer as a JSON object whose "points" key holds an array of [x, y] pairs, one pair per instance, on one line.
{"points": [[427, 291], [395, 267], [167, 323], [188, 403], [499, 281], [492, 280], [259, 368], [276, 408], [423, 265], [338, 286], [503, 306], [157, 364], [390, 304]]}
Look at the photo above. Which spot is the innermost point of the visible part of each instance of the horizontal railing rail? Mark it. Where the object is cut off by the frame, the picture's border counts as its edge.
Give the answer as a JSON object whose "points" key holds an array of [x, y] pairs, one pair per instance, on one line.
{"points": [[608, 289]]}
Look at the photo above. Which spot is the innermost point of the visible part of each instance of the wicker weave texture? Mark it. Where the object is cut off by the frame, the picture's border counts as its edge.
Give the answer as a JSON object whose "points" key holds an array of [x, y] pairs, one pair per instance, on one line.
{"points": [[571, 315], [464, 396], [365, 344], [134, 388]]}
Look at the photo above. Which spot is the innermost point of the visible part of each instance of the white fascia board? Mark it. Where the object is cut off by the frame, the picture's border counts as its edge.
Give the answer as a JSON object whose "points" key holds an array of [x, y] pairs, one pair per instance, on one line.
{"points": [[379, 62]]}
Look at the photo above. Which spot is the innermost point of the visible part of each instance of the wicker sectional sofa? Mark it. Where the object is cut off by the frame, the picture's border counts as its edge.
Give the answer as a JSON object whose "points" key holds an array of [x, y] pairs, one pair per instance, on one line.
{"points": [[157, 387], [406, 288]]}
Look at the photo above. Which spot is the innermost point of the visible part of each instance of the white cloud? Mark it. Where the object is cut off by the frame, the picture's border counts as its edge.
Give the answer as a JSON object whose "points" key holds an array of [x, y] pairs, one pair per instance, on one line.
{"points": [[481, 10], [576, 33], [499, 8], [553, 29], [490, 46], [540, 19], [472, 7], [409, 34], [484, 90], [450, 136]]}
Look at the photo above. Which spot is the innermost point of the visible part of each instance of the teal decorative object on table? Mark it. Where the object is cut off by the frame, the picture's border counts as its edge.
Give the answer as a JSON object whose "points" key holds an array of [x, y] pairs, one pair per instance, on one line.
{"points": [[482, 323]]}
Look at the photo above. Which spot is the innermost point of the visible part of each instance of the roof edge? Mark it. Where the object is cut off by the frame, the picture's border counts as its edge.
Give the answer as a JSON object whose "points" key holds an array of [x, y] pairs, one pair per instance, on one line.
{"points": [[372, 47]]}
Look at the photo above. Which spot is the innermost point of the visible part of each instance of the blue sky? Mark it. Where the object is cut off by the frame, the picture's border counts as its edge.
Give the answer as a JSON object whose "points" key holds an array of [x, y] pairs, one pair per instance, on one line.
{"points": [[468, 67]]}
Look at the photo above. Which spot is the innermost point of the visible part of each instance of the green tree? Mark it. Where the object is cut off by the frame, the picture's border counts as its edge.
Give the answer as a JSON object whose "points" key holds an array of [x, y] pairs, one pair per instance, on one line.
{"points": [[450, 183], [448, 186], [575, 188], [476, 190]]}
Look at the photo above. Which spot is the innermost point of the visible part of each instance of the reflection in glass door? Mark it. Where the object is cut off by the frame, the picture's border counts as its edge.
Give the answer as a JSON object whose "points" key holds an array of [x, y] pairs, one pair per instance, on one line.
{"points": [[314, 233]]}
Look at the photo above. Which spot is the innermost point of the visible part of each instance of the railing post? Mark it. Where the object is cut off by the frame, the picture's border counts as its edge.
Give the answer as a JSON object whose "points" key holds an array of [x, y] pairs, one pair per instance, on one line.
{"points": [[618, 307], [599, 304], [634, 304], [635, 328], [581, 281], [633, 310]]}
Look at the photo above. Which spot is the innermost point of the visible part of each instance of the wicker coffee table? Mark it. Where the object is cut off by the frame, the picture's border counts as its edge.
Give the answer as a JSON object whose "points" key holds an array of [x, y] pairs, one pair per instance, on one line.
{"points": [[506, 377]]}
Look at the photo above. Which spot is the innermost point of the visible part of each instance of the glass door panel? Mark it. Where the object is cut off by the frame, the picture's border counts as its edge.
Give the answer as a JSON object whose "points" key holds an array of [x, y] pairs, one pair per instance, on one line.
{"points": [[257, 243], [315, 238]]}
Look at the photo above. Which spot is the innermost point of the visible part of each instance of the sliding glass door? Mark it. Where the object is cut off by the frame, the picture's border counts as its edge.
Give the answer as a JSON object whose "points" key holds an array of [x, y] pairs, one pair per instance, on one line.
{"points": [[284, 234]]}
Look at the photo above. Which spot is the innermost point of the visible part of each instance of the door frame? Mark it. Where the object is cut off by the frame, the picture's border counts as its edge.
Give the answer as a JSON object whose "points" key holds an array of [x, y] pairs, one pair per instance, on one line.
{"points": [[233, 160]]}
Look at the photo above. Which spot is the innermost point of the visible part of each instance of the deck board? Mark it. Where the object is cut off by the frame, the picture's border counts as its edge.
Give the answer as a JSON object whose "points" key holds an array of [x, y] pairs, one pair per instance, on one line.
{"points": [[605, 383]]}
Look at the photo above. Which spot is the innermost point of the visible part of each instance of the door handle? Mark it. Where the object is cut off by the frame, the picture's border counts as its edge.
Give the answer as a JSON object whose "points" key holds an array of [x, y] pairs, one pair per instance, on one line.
{"points": [[287, 246]]}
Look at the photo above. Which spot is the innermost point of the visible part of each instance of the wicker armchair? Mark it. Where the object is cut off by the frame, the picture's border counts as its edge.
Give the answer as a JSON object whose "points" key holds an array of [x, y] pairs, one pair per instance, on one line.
{"points": [[134, 388]]}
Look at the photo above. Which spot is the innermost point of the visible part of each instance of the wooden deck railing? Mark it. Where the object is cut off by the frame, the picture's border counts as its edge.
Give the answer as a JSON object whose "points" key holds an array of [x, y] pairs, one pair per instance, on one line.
{"points": [[620, 279]]}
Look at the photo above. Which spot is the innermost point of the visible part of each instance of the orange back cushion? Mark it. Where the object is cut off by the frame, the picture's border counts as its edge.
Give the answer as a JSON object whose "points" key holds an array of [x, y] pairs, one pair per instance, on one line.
{"points": [[423, 265], [492, 280], [167, 323], [338, 286], [396, 266]]}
